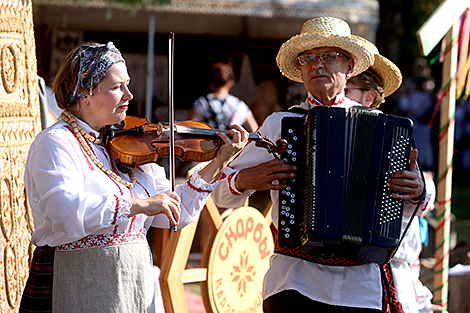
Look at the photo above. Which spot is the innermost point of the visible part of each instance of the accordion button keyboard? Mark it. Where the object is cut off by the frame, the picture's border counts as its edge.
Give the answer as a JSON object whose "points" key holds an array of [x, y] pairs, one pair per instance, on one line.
{"points": [[291, 131], [319, 218]]}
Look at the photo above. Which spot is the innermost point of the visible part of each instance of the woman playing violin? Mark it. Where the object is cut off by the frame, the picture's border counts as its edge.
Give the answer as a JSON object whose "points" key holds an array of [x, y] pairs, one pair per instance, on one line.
{"points": [[91, 219]]}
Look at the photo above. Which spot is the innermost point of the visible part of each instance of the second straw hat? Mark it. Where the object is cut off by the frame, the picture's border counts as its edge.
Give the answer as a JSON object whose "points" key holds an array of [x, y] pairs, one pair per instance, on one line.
{"points": [[389, 73]]}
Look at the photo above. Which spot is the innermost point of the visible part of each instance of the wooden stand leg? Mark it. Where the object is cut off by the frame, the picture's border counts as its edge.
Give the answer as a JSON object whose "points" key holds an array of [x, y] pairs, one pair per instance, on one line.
{"points": [[174, 263]]}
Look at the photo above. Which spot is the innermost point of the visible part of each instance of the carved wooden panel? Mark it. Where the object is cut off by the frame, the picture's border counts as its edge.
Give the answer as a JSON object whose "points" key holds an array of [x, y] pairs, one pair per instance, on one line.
{"points": [[19, 124]]}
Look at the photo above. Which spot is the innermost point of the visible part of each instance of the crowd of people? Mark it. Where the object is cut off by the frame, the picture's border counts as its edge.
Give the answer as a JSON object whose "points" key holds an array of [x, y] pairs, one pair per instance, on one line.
{"points": [[91, 216]]}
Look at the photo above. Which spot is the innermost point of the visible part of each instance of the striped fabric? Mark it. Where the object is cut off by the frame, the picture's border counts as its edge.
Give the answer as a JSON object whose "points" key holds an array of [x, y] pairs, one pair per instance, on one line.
{"points": [[37, 295], [336, 261], [390, 297]]}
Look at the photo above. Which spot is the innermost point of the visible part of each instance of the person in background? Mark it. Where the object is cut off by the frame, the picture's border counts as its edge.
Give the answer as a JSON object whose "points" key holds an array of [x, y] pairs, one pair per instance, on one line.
{"points": [[219, 108], [370, 88], [416, 101], [323, 57], [91, 218]]}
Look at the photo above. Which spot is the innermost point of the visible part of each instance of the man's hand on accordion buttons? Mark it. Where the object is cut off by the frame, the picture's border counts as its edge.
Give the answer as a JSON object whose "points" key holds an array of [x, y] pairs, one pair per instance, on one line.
{"points": [[409, 183], [264, 176]]}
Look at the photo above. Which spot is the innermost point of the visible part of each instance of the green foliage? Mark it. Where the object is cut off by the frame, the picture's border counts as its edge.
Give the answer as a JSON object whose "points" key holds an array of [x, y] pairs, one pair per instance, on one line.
{"points": [[136, 4], [426, 6], [123, 4], [399, 22], [133, 6], [461, 201], [142, 3], [422, 9]]}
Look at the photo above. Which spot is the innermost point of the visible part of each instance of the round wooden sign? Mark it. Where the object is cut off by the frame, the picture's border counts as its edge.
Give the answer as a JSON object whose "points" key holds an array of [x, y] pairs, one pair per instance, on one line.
{"points": [[238, 260]]}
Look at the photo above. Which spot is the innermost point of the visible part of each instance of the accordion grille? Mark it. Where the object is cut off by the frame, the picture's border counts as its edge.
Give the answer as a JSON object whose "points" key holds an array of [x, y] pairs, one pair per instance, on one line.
{"points": [[360, 147]]}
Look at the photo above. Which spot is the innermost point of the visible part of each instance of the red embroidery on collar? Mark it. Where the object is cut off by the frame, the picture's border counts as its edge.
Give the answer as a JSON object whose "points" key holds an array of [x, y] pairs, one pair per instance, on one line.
{"points": [[314, 102], [339, 101]]}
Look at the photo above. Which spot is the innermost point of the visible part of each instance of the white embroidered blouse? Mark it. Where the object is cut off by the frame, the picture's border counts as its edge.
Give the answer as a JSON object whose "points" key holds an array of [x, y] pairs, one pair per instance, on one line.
{"points": [[76, 205]]}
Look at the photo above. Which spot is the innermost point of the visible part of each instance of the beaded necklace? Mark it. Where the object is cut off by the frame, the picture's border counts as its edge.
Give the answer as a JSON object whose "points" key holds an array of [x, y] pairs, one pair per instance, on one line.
{"points": [[81, 135]]}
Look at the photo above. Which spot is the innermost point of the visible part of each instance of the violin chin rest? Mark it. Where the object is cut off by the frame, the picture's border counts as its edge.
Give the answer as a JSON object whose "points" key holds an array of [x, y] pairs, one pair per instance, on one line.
{"points": [[118, 126], [122, 167]]}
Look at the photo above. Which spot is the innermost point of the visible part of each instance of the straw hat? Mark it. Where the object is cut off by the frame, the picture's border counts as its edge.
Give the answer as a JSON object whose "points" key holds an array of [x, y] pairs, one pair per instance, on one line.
{"points": [[324, 32], [388, 72]]}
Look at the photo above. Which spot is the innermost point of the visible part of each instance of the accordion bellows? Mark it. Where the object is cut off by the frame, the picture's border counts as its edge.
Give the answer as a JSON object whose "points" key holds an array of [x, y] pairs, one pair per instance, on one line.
{"points": [[338, 205]]}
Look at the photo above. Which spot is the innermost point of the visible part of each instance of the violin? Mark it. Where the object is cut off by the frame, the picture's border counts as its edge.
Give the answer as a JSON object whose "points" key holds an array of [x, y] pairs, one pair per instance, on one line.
{"points": [[137, 141]]}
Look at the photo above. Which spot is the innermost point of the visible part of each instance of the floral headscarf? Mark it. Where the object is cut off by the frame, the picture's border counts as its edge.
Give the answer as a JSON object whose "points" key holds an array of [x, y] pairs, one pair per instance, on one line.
{"points": [[95, 62]]}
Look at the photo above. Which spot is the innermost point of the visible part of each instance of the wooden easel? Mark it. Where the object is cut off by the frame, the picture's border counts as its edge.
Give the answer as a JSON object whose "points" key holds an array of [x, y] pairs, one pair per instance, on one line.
{"points": [[174, 275]]}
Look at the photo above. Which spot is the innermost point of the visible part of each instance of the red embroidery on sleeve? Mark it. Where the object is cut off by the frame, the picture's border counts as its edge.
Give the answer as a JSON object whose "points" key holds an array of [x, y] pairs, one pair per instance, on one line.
{"points": [[116, 211], [233, 191], [197, 189]]}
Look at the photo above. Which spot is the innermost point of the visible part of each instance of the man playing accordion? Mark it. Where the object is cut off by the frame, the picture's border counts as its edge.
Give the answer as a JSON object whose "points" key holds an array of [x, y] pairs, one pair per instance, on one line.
{"points": [[323, 57]]}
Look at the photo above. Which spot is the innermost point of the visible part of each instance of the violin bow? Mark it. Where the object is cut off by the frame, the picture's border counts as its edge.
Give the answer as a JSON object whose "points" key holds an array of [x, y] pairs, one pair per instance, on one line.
{"points": [[171, 118]]}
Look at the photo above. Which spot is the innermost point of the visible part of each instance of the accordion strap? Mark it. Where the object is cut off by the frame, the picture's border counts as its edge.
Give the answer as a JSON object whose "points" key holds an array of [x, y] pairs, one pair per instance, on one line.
{"points": [[336, 261], [293, 252]]}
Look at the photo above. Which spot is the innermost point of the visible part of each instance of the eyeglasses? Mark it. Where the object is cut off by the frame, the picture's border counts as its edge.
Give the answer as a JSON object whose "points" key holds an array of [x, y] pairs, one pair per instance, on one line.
{"points": [[326, 57], [347, 89]]}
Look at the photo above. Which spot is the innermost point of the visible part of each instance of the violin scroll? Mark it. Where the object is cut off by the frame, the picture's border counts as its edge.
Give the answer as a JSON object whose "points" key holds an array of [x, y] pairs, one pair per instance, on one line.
{"points": [[282, 145], [274, 148]]}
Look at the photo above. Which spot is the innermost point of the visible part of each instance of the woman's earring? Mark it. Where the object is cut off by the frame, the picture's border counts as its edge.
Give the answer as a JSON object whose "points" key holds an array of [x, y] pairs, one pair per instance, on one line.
{"points": [[87, 103]]}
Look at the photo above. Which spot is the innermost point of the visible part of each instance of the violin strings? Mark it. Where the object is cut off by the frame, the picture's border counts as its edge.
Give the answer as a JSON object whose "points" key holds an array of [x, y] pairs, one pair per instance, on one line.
{"points": [[81, 135], [185, 130]]}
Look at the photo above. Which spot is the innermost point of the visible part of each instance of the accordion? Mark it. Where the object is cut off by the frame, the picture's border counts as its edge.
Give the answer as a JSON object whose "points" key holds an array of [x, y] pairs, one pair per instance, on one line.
{"points": [[338, 205]]}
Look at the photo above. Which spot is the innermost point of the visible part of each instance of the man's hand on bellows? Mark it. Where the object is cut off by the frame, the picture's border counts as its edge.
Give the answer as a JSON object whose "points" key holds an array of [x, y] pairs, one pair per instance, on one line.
{"points": [[408, 182], [264, 176]]}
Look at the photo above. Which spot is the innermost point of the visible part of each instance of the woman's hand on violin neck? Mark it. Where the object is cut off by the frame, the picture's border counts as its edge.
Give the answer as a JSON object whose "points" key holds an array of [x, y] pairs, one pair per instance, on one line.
{"points": [[234, 141], [163, 203]]}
